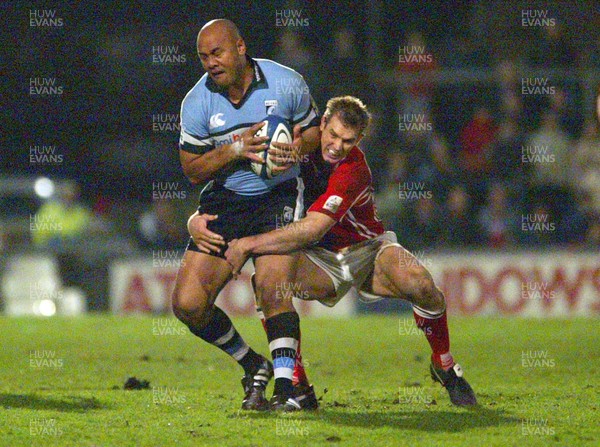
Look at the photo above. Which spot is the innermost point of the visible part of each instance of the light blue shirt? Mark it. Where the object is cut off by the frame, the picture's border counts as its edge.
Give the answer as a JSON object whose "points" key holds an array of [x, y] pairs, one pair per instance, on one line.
{"points": [[209, 119]]}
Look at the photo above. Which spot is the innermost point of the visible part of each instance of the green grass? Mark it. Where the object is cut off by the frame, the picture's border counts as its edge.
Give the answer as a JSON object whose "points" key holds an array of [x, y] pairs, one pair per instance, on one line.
{"points": [[379, 392]]}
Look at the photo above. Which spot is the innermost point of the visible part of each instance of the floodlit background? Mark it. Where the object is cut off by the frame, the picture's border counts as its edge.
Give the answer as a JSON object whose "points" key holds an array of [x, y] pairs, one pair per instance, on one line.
{"points": [[484, 148]]}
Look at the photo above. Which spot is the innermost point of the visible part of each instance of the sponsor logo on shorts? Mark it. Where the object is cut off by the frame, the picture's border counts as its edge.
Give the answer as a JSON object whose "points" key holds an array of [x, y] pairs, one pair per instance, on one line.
{"points": [[333, 203]]}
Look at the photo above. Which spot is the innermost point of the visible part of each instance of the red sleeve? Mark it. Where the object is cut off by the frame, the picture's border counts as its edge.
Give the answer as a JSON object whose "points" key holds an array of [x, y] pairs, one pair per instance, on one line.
{"points": [[349, 183]]}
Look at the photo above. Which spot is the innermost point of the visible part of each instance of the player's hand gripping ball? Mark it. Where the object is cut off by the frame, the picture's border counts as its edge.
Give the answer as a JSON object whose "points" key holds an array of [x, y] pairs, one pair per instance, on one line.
{"points": [[278, 130]]}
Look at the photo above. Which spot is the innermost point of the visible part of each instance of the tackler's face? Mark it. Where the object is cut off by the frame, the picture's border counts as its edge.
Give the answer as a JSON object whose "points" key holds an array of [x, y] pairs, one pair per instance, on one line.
{"points": [[222, 57], [337, 139]]}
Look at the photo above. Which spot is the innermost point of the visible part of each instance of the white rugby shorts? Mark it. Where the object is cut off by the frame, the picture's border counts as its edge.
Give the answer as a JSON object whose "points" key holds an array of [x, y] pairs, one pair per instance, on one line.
{"points": [[351, 266]]}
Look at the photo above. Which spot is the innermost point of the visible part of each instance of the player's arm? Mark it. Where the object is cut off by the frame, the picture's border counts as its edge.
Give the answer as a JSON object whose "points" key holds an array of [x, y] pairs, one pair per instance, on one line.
{"points": [[294, 236], [199, 167], [311, 139]]}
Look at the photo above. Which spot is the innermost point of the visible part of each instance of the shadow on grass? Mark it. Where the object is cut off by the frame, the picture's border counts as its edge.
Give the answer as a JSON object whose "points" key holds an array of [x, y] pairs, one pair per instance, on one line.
{"points": [[449, 421], [35, 402]]}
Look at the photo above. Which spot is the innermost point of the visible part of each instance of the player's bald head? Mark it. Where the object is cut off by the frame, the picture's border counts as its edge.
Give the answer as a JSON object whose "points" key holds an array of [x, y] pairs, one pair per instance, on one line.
{"points": [[222, 52], [221, 27]]}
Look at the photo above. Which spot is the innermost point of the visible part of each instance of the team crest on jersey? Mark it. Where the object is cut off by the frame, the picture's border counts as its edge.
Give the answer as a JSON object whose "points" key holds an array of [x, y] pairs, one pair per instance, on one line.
{"points": [[288, 214], [216, 121], [333, 203], [270, 105]]}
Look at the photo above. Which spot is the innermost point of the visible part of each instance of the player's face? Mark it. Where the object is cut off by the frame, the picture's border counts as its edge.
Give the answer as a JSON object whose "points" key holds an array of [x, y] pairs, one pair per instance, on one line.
{"points": [[337, 139], [222, 57]]}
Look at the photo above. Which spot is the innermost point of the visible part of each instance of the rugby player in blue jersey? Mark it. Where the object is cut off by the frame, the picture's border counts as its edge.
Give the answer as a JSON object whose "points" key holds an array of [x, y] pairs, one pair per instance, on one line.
{"points": [[217, 145]]}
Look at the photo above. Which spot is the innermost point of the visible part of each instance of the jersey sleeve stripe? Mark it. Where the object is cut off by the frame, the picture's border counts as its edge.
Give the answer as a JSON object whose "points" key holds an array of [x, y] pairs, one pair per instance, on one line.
{"points": [[187, 138], [194, 145], [307, 120]]}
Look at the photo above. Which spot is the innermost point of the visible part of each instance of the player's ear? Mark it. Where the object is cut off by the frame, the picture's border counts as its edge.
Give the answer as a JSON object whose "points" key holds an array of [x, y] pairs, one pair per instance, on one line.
{"points": [[241, 47], [323, 123]]}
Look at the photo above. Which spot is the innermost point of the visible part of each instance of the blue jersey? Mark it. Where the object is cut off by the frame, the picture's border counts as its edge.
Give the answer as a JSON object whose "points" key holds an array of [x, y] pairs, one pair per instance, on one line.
{"points": [[209, 119]]}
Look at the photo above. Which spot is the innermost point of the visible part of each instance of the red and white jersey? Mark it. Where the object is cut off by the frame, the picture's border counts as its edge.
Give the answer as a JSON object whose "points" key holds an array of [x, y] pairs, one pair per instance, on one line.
{"points": [[349, 200]]}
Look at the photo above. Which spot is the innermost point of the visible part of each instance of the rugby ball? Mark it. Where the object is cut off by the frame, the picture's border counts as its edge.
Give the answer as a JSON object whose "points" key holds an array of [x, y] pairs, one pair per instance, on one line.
{"points": [[278, 130]]}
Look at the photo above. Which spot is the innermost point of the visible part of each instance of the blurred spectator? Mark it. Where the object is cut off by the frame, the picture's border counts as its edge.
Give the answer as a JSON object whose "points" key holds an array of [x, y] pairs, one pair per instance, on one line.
{"points": [[579, 222], [344, 55], [389, 206], [541, 226], [379, 145], [387, 198], [159, 228], [61, 221], [552, 49], [459, 227], [60, 226], [506, 161], [586, 164], [476, 142], [563, 102], [293, 52], [416, 58], [428, 160], [498, 219], [419, 226], [511, 103], [464, 50], [548, 151]]}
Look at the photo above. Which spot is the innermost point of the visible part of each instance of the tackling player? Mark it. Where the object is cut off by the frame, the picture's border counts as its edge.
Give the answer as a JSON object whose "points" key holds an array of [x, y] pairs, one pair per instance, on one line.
{"points": [[217, 143], [353, 250]]}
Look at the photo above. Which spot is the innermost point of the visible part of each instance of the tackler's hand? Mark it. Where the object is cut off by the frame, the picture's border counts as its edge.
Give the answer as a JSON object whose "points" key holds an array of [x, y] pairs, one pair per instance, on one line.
{"points": [[206, 240], [236, 256], [285, 155]]}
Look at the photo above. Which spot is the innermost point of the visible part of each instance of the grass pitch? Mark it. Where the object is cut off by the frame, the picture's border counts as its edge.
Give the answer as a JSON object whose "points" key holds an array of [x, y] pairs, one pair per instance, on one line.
{"points": [[61, 383]]}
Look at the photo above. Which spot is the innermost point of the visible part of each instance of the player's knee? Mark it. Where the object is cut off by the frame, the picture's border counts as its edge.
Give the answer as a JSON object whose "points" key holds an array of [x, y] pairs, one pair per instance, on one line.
{"points": [[424, 291], [274, 293], [191, 308]]}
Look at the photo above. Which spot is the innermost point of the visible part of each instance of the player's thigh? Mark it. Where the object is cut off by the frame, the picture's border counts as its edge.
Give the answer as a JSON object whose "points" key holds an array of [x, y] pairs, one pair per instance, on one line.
{"points": [[312, 281], [281, 278], [272, 272], [199, 280], [398, 274]]}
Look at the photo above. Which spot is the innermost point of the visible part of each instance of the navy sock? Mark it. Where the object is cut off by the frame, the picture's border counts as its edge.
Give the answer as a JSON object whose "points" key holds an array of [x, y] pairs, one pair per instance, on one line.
{"points": [[283, 332], [220, 332]]}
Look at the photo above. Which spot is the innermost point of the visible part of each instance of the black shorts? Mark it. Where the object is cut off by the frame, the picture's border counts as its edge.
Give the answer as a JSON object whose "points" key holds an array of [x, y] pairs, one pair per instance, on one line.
{"points": [[241, 216]]}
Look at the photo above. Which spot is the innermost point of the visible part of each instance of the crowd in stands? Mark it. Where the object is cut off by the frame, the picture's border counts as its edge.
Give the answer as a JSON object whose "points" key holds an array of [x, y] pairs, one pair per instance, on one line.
{"points": [[522, 171]]}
